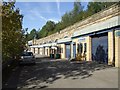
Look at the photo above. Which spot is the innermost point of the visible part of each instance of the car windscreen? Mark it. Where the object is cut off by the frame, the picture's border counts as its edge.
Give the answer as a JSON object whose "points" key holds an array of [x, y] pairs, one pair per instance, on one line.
{"points": [[27, 54]]}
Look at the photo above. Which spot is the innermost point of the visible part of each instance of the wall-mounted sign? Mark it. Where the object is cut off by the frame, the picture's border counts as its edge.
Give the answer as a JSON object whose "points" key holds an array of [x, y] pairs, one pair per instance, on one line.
{"points": [[73, 42], [117, 33], [81, 39]]}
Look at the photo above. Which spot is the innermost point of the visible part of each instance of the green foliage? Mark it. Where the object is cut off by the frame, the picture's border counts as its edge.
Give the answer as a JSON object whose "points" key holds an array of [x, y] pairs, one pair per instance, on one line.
{"points": [[94, 7], [47, 29], [33, 35], [58, 27], [12, 37], [69, 18], [66, 20]]}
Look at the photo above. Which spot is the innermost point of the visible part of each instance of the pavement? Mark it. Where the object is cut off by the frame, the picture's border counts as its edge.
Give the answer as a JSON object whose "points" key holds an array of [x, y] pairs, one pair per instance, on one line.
{"points": [[52, 73]]}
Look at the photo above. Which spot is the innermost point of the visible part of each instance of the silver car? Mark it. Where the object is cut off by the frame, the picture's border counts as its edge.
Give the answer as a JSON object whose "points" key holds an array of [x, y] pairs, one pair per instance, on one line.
{"points": [[27, 58]]}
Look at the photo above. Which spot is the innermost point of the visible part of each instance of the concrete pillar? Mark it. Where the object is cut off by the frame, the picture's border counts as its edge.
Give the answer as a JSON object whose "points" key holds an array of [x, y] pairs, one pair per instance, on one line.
{"points": [[63, 53], [117, 50], [48, 51], [45, 51], [110, 47], [31, 50], [89, 48], [71, 49], [41, 51], [83, 47]]}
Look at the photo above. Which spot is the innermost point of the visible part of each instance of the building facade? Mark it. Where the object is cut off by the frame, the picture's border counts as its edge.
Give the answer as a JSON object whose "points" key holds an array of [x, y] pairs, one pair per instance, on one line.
{"points": [[96, 38]]}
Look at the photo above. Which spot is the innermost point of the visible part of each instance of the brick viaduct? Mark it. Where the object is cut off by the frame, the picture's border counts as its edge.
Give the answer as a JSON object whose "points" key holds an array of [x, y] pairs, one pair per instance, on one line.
{"points": [[98, 17]]}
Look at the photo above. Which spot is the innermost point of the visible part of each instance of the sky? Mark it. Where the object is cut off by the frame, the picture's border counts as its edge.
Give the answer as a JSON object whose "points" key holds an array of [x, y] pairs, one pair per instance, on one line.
{"points": [[36, 14]]}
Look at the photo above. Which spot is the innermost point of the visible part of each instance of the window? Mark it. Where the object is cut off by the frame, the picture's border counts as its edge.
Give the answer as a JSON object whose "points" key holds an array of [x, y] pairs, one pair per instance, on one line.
{"points": [[81, 48], [27, 54], [61, 50], [52, 51], [78, 48], [65, 36], [58, 50], [47, 51], [85, 47]]}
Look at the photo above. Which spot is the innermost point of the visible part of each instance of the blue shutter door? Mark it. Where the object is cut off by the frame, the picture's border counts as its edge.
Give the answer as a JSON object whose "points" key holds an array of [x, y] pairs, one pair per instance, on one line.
{"points": [[74, 50], [68, 55], [100, 48]]}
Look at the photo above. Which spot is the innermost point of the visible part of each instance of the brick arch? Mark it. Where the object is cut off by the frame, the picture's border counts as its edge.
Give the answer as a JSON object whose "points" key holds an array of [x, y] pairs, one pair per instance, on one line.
{"points": [[56, 40]]}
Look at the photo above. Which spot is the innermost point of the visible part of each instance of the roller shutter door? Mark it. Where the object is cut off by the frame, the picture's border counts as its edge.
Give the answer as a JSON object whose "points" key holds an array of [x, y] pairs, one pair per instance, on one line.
{"points": [[68, 55], [100, 48]]}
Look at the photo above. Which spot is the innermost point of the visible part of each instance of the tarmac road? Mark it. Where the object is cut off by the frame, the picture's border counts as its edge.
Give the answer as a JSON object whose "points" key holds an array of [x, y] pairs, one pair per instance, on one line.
{"points": [[52, 73]]}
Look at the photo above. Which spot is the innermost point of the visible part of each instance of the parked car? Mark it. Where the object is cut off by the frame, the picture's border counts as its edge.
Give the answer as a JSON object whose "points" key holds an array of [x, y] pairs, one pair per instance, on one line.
{"points": [[27, 58]]}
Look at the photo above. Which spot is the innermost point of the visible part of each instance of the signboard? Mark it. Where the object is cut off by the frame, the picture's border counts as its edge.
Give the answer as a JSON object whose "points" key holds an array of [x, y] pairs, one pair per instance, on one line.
{"points": [[73, 42], [81, 39]]}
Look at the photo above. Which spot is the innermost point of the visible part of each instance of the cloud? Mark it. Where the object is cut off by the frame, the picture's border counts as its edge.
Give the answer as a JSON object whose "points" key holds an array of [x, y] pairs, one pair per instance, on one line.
{"points": [[39, 14], [58, 7], [54, 19], [43, 18], [36, 13]]}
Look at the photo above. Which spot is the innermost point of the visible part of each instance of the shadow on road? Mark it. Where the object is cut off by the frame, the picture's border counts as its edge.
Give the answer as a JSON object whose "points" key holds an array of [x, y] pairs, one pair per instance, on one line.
{"points": [[44, 73], [13, 80]]}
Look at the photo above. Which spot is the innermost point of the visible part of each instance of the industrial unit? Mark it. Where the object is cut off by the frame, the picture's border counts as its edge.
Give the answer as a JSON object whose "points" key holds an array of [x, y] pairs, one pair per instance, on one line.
{"points": [[96, 38]]}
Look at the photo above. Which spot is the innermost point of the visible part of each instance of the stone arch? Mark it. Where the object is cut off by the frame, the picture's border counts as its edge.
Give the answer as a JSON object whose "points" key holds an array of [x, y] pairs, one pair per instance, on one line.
{"points": [[65, 36], [56, 40]]}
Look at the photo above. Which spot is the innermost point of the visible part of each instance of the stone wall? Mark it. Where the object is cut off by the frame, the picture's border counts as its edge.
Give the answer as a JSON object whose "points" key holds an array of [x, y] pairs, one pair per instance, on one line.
{"points": [[98, 17]]}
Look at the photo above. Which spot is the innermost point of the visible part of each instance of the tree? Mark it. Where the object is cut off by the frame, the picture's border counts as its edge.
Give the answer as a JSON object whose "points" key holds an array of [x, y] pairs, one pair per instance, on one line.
{"points": [[77, 11], [34, 34], [66, 19], [12, 36], [47, 29], [58, 27], [50, 25], [77, 7], [94, 7], [73, 16]]}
